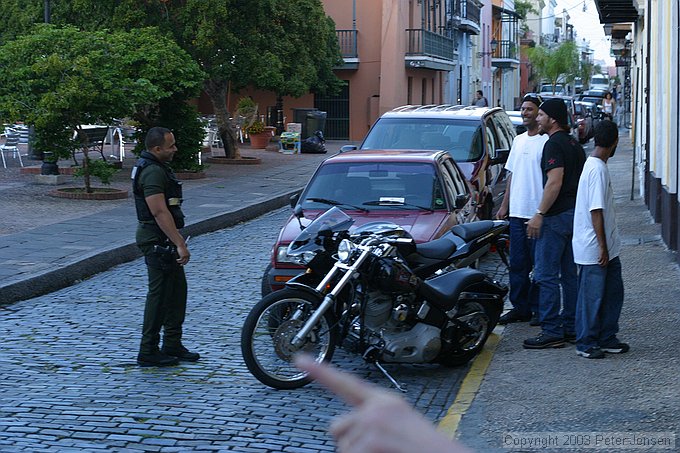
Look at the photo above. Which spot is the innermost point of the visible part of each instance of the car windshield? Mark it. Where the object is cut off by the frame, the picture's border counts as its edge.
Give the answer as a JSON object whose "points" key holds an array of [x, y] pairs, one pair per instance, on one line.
{"points": [[462, 139], [393, 185]]}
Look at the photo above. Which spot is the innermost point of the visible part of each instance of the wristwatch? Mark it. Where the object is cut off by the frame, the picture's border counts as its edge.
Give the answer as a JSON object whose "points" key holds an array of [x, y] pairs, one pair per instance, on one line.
{"points": [[539, 212]]}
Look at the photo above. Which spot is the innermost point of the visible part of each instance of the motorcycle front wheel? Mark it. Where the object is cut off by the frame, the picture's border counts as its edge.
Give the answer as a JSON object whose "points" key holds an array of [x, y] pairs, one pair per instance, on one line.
{"points": [[268, 331], [476, 321]]}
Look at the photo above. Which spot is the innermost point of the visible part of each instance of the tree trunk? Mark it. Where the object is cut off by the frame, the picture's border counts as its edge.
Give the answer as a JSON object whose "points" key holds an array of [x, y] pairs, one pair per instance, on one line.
{"points": [[86, 161], [217, 92]]}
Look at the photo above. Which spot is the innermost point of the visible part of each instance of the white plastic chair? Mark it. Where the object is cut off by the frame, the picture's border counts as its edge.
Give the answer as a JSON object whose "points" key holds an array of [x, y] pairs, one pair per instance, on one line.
{"points": [[11, 145]]}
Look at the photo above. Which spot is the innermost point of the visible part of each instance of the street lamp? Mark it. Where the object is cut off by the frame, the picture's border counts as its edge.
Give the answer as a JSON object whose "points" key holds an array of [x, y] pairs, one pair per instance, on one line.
{"points": [[493, 44]]}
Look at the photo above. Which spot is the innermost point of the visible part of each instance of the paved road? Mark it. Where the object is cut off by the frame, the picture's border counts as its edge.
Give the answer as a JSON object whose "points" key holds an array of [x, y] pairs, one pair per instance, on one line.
{"points": [[69, 380]]}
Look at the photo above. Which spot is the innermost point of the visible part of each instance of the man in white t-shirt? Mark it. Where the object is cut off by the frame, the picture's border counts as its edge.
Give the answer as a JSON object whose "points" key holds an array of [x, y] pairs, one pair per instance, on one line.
{"points": [[596, 244], [522, 196]]}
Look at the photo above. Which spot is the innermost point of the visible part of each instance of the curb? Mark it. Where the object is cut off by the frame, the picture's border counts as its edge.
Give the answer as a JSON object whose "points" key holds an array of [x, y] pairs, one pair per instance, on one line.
{"points": [[102, 260], [470, 385]]}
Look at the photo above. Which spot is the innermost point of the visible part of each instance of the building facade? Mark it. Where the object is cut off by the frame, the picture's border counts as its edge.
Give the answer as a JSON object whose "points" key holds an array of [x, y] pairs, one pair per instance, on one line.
{"points": [[645, 36]]}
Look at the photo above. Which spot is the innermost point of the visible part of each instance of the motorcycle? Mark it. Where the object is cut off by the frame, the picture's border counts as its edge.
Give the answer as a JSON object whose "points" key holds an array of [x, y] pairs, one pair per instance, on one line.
{"points": [[361, 292]]}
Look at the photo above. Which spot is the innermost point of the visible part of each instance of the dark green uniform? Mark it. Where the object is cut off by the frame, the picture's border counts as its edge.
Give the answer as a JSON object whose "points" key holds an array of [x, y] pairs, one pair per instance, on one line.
{"points": [[167, 297]]}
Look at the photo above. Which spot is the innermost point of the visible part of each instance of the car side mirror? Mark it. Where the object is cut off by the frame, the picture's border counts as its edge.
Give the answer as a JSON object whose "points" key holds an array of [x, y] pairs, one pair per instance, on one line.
{"points": [[348, 148], [294, 200], [501, 156], [462, 200]]}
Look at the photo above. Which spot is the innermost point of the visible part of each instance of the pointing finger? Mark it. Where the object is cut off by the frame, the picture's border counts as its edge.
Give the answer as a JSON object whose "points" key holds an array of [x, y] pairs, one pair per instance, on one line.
{"points": [[350, 388]]}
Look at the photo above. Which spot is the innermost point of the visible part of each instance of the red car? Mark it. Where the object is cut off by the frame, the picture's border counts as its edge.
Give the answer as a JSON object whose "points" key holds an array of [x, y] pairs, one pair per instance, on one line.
{"points": [[423, 191]]}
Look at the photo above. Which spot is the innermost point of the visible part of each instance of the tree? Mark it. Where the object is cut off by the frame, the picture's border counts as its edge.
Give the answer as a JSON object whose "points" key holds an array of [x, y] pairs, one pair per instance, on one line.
{"points": [[556, 65], [61, 78], [286, 47]]}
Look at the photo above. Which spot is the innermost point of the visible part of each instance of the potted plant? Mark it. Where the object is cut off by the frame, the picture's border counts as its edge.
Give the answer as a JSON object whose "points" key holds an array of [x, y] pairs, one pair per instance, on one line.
{"points": [[259, 135]]}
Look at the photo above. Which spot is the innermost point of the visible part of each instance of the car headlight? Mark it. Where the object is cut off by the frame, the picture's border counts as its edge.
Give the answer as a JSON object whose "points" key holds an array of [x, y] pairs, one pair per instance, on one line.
{"points": [[282, 256], [345, 249]]}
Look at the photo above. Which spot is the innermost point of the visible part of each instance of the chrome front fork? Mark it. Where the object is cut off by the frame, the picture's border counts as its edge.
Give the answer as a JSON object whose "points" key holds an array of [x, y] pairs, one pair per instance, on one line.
{"points": [[329, 300]]}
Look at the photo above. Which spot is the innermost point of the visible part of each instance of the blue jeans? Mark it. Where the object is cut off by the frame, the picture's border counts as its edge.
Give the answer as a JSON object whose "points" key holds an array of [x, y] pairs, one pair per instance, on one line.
{"points": [[600, 298], [523, 293], [555, 268]]}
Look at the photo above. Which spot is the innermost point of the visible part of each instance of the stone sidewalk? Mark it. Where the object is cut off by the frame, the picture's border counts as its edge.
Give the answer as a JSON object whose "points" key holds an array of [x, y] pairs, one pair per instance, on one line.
{"points": [[555, 395], [53, 242]]}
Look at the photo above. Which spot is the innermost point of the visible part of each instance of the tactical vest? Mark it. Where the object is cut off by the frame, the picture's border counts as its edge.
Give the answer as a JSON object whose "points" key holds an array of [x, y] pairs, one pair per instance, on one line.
{"points": [[173, 192]]}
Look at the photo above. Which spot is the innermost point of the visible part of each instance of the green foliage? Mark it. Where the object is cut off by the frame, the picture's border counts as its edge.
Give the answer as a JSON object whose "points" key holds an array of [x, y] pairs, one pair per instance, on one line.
{"points": [[246, 108], [60, 78], [524, 7], [256, 128], [287, 47], [557, 65], [182, 119], [98, 168]]}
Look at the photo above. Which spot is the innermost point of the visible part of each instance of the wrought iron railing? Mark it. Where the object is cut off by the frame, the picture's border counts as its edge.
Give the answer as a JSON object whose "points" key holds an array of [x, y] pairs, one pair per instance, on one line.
{"points": [[467, 10], [347, 39], [506, 49], [425, 42]]}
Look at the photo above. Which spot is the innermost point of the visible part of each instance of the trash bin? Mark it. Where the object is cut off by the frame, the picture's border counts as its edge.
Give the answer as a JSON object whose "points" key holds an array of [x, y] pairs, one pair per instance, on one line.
{"points": [[300, 116], [316, 121]]}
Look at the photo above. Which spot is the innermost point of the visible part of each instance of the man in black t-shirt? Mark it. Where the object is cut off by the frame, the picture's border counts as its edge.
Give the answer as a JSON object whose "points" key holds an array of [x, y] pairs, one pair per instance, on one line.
{"points": [[552, 227]]}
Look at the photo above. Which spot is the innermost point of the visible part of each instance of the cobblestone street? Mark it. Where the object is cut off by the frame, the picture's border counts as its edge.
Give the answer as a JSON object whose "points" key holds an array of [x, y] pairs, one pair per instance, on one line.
{"points": [[69, 379]]}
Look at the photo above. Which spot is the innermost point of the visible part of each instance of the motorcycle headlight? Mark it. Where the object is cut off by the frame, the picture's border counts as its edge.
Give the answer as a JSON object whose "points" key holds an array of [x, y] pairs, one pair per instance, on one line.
{"points": [[345, 249], [282, 256]]}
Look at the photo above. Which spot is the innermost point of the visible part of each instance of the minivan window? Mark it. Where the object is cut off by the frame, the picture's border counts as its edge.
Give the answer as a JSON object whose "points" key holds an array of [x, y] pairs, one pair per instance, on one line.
{"points": [[459, 137]]}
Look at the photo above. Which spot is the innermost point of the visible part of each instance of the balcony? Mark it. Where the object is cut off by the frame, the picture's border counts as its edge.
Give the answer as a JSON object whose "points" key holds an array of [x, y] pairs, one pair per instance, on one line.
{"points": [[466, 14], [429, 50], [347, 40], [506, 55]]}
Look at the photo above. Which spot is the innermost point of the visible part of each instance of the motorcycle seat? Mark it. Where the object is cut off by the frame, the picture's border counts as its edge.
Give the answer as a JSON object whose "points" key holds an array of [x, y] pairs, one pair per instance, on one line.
{"points": [[444, 290], [469, 231], [439, 249]]}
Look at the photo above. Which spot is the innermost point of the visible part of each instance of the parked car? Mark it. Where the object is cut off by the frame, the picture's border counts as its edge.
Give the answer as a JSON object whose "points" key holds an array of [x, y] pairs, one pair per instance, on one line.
{"points": [[599, 82], [424, 192], [586, 114], [595, 96], [516, 118], [478, 138], [547, 88]]}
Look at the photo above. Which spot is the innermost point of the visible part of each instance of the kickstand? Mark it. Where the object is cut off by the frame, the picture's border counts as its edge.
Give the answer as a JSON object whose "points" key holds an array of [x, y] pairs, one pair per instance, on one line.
{"points": [[400, 387]]}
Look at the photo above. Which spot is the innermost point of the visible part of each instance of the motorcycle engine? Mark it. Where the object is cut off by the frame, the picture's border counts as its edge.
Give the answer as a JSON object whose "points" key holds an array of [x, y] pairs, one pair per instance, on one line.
{"points": [[387, 318]]}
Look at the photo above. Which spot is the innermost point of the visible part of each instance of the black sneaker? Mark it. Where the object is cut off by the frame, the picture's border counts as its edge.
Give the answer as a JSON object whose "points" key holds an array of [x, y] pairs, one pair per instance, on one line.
{"points": [[542, 341], [513, 316], [534, 321], [591, 353], [182, 353], [156, 359], [618, 348]]}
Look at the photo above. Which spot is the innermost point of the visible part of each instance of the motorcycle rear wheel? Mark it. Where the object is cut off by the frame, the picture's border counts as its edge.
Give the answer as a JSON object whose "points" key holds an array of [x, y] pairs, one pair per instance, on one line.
{"points": [[267, 333], [480, 318]]}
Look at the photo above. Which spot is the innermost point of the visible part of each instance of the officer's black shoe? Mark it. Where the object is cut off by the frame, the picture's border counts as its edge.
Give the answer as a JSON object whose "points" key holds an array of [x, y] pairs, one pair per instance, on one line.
{"points": [[156, 359], [513, 316], [181, 353]]}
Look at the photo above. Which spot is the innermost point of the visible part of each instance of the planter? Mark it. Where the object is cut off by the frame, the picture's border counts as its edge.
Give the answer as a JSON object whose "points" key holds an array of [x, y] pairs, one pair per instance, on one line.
{"points": [[98, 193], [261, 140], [243, 160]]}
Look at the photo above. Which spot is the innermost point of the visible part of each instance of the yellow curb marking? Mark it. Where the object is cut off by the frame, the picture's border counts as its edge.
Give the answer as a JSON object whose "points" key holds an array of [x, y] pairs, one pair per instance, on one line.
{"points": [[470, 386]]}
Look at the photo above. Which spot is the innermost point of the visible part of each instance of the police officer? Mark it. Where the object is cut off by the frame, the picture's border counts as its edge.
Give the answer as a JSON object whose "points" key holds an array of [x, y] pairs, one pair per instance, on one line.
{"points": [[158, 199]]}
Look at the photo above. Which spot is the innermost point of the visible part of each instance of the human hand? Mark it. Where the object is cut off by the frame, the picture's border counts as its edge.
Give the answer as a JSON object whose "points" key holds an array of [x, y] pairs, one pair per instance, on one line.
{"points": [[603, 258], [184, 255], [534, 226], [502, 213], [381, 421]]}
